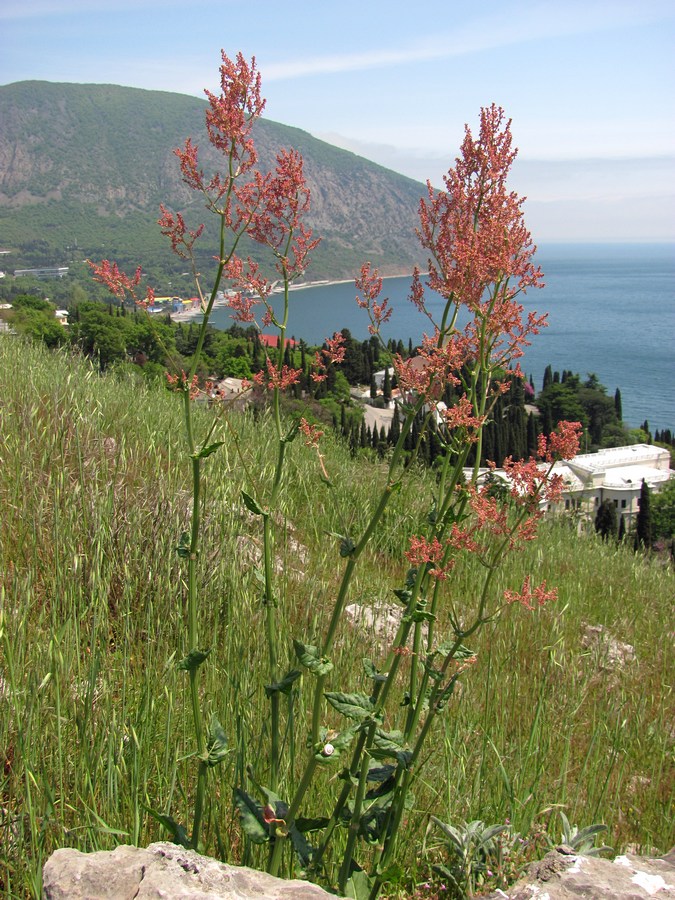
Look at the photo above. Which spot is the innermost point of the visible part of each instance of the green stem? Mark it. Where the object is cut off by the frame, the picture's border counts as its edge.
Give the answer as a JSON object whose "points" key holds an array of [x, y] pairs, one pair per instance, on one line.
{"points": [[353, 831]]}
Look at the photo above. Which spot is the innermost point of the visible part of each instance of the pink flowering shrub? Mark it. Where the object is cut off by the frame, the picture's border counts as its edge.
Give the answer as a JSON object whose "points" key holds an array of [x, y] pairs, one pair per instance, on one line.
{"points": [[480, 259]]}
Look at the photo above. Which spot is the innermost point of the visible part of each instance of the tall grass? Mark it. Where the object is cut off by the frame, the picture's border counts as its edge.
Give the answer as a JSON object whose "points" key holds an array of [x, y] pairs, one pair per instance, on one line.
{"points": [[92, 506]]}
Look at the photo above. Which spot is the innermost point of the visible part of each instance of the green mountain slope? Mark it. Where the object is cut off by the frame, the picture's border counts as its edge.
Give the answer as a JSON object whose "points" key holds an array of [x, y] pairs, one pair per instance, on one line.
{"points": [[86, 167]]}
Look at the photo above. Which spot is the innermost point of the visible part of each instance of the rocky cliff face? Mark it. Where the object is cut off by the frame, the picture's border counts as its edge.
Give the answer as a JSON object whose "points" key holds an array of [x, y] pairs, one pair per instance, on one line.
{"points": [[86, 158]]}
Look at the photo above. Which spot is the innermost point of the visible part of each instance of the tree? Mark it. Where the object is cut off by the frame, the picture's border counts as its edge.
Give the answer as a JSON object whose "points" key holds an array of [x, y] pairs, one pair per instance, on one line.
{"points": [[622, 528], [606, 521], [663, 512], [643, 525], [386, 386], [617, 405]]}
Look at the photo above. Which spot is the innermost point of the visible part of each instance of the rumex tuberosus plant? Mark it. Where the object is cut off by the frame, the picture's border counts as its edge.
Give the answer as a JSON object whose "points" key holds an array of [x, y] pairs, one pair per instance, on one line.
{"points": [[480, 260]]}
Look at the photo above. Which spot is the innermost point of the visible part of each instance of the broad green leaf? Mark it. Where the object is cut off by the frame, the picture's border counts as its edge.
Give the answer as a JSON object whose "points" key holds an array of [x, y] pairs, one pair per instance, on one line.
{"points": [[291, 434], [284, 686], [309, 657], [252, 504], [347, 545], [380, 773], [388, 740], [183, 547], [301, 846], [358, 886], [178, 834], [193, 660], [250, 815], [304, 824], [371, 671], [354, 706], [419, 615], [216, 744], [207, 451]]}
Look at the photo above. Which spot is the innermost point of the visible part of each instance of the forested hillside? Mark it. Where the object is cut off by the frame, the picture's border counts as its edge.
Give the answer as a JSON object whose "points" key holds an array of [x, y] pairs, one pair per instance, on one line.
{"points": [[83, 169]]}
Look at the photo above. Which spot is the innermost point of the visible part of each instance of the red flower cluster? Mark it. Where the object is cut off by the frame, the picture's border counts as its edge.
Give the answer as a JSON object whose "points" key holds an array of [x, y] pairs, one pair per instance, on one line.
{"points": [[180, 383], [277, 377], [369, 284], [529, 597], [119, 284], [422, 552], [332, 353]]}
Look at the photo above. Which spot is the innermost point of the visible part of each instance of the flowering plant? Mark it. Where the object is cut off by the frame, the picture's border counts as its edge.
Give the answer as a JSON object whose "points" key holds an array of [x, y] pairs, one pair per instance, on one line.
{"points": [[480, 260]]}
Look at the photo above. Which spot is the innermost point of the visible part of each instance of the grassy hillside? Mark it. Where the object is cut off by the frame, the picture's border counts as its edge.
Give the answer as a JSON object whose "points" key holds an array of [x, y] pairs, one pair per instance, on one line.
{"points": [[93, 725], [83, 169]]}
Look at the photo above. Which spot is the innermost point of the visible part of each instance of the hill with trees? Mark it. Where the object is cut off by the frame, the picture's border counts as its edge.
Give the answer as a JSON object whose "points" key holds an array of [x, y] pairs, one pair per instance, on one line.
{"points": [[84, 168]]}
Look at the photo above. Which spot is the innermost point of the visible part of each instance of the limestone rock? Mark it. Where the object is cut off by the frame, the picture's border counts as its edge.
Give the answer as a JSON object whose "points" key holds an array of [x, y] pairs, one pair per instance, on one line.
{"points": [[563, 875], [162, 870]]}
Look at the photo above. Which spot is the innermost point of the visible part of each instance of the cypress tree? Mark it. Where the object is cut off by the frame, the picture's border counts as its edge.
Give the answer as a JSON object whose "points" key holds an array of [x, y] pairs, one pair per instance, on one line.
{"points": [[606, 521], [395, 428], [548, 377], [622, 528], [617, 405], [643, 524], [532, 435], [386, 386]]}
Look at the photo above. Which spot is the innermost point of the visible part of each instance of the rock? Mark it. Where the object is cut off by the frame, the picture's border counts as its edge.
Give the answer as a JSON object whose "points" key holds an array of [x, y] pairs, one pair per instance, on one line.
{"points": [[564, 875], [162, 870], [611, 653], [379, 621]]}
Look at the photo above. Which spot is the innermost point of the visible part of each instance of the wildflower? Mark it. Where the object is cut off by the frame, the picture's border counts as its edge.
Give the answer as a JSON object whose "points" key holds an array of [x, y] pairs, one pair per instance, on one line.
{"points": [[528, 596], [433, 554], [277, 378], [332, 353], [119, 284]]}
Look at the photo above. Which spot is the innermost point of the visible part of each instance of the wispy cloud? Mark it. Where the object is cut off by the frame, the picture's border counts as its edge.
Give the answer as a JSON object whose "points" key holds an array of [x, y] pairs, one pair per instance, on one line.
{"points": [[16, 9], [534, 22]]}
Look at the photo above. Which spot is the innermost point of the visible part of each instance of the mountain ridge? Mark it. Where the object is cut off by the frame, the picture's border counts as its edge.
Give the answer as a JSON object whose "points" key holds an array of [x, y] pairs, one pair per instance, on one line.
{"points": [[86, 166]]}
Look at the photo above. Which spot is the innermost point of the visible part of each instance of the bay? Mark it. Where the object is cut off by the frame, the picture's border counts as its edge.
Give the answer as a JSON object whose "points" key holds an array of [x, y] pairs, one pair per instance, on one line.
{"points": [[611, 312]]}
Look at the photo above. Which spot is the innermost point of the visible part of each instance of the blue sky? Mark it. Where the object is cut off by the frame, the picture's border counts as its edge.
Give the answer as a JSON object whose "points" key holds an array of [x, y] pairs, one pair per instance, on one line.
{"points": [[589, 85]]}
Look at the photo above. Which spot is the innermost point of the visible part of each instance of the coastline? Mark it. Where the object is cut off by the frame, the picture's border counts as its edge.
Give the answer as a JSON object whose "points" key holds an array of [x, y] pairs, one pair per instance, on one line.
{"points": [[192, 314]]}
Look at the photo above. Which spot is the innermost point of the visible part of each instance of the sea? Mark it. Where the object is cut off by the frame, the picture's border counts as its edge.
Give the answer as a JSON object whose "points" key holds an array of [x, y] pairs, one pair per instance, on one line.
{"points": [[611, 312]]}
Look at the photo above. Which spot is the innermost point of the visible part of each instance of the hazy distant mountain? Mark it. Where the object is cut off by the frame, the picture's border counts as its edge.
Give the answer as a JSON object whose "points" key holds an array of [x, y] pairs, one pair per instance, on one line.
{"points": [[83, 169]]}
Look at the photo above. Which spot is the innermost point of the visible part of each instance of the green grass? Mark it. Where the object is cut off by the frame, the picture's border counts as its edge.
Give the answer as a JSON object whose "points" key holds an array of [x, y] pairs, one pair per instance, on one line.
{"points": [[94, 727]]}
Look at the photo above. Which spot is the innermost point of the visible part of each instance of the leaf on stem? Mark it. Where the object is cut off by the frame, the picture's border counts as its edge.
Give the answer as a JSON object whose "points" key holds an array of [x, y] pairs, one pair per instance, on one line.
{"points": [[252, 504], [372, 672], [358, 886], [207, 451], [216, 744], [310, 658], [347, 545], [354, 706], [183, 547], [193, 660], [251, 817], [291, 434], [178, 833], [284, 686]]}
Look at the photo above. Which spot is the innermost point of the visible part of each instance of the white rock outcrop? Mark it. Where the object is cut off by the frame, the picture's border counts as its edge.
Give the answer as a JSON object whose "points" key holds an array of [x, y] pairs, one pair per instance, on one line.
{"points": [[162, 870]]}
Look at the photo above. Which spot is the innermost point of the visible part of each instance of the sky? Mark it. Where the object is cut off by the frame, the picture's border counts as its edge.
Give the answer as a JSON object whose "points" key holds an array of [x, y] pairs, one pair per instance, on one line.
{"points": [[587, 83]]}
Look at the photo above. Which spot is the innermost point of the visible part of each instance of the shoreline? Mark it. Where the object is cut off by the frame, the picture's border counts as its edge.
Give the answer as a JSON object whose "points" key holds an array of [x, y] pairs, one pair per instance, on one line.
{"points": [[192, 314]]}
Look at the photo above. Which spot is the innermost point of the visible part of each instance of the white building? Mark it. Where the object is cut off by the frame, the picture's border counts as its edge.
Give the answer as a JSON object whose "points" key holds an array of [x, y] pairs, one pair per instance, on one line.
{"points": [[614, 474], [617, 474]]}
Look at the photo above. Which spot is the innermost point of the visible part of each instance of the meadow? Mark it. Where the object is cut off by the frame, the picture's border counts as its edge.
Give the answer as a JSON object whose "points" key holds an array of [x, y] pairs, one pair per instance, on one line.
{"points": [[94, 727]]}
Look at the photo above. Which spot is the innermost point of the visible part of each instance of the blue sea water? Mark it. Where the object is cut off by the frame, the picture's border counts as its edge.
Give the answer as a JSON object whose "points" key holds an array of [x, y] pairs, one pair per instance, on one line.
{"points": [[611, 312]]}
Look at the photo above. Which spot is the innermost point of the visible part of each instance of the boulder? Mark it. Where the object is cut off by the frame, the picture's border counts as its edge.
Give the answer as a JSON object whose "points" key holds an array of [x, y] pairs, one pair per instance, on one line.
{"points": [[564, 875], [162, 870]]}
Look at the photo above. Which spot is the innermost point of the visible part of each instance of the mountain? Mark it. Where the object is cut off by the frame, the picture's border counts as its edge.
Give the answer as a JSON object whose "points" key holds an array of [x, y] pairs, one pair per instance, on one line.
{"points": [[83, 169]]}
